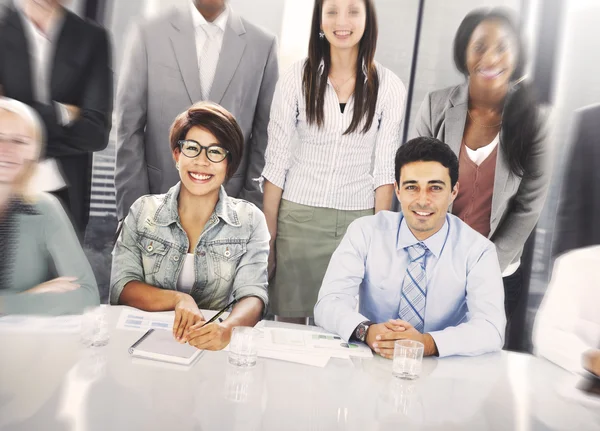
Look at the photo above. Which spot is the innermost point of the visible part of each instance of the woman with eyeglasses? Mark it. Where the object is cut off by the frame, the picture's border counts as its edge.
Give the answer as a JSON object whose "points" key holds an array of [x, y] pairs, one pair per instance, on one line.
{"points": [[346, 111], [493, 124], [43, 269], [195, 247]]}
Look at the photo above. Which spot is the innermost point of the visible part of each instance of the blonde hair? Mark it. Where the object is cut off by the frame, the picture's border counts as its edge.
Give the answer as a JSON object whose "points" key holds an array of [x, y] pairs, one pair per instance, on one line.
{"points": [[35, 124]]}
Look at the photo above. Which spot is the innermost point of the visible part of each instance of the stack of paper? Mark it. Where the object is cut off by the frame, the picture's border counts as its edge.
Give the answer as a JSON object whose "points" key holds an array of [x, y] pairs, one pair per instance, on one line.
{"points": [[307, 346]]}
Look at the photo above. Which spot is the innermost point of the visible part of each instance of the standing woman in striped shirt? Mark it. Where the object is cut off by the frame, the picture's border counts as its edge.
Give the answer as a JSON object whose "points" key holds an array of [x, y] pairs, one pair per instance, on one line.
{"points": [[346, 111]]}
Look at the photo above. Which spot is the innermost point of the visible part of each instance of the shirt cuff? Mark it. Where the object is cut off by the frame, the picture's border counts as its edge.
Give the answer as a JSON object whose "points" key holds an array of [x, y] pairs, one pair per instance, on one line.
{"points": [[384, 181], [248, 291], [443, 342], [274, 175], [62, 113], [117, 288], [349, 324]]}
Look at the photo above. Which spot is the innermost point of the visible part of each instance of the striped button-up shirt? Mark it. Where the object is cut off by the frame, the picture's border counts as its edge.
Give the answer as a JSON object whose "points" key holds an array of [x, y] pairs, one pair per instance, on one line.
{"points": [[322, 167]]}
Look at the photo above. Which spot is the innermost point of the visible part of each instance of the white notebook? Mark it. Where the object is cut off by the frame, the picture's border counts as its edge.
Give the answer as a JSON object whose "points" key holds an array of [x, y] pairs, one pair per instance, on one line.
{"points": [[160, 345]]}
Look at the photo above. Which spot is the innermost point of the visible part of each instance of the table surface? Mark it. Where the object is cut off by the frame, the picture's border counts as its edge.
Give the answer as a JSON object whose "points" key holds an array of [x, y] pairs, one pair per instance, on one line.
{"points": [[51, 382]]}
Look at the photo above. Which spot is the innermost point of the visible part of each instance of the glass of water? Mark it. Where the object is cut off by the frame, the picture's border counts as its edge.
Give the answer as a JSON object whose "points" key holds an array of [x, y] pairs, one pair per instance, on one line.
{"points": [[408, 356], [243, 346], [94, 326]]}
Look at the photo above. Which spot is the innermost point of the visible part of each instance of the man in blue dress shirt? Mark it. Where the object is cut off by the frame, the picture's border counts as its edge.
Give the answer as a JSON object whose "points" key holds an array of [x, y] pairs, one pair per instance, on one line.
{"points": [[422, 274]]}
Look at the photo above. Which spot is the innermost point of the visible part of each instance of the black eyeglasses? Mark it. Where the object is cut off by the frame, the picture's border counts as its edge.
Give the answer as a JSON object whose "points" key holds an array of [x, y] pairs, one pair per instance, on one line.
{"points": [[192, 149]]}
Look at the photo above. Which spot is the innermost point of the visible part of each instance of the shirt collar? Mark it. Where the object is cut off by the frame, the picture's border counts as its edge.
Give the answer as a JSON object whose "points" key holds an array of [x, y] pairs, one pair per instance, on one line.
{"points": [[434, 243], [365, 72], [33, 30], [198, 19], [168, 211]]}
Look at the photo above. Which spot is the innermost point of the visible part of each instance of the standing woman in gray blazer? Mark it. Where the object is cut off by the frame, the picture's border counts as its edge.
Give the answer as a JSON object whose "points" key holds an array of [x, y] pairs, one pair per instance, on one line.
{"points": [[346, 111], [493, 124]]}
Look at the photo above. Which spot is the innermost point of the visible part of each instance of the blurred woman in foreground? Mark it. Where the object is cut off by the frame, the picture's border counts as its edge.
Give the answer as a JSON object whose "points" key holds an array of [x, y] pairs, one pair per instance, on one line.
{"points": [[43, 269]]}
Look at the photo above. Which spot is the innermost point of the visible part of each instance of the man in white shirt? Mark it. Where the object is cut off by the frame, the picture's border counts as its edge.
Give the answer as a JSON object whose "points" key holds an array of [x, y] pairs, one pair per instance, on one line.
{"points": [[567, 326], [60, 65], [203, 51]]}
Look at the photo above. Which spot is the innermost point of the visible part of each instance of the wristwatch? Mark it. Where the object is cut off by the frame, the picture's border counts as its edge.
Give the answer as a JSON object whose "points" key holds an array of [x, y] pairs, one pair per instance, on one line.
{"points": [[360, 333]]}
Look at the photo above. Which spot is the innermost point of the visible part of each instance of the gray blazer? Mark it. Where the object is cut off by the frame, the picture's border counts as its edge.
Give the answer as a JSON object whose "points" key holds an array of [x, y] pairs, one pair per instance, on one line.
{"points": [[516, 203], [160, 79], [43, 246]]}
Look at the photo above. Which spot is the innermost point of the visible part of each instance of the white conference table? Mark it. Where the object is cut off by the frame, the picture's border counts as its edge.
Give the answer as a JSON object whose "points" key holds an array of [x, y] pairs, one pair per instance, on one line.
{"points": [[52, 382]]}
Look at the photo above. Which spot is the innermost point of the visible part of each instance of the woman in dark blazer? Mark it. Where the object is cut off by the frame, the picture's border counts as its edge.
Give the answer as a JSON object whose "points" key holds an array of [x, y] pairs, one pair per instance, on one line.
{"points": [[494, 126], [43, 269]]}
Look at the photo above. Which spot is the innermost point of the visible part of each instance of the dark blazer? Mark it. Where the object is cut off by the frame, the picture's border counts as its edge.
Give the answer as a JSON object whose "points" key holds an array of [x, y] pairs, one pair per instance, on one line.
{"points": [[82, 76], [579, 204]]}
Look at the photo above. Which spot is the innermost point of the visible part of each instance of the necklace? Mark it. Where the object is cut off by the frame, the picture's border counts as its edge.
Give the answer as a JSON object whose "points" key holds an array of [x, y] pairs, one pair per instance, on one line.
{"points": [[482, 125], [337, 86]]}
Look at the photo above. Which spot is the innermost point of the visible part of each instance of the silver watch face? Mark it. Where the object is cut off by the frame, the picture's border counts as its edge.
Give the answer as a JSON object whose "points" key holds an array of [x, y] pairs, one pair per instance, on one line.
{"points": [[362, 331]]}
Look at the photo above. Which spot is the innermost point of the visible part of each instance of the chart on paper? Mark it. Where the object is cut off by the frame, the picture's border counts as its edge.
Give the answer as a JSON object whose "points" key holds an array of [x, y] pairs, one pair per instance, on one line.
{"points": [[135, 320]]}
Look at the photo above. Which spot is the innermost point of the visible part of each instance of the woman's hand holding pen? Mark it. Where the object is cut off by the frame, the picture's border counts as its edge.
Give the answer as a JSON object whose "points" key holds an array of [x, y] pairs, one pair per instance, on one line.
{"points": [[187, 314], [211, 336]]}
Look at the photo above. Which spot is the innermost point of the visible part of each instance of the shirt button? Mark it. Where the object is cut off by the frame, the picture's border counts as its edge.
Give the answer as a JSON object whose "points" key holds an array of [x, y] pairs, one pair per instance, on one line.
{"points": [[150, 248], [202, 253], [176, 258]]}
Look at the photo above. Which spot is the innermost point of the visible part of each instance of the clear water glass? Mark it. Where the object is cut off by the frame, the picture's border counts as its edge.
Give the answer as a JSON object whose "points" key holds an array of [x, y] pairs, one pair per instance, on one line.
{"points": [[238, 383], [408, 359], [94, 326], [243, 347]]}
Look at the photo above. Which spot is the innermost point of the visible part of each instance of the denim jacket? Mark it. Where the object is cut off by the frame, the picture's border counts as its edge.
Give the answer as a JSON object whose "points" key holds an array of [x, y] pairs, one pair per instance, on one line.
{"points": [[230, 258]]}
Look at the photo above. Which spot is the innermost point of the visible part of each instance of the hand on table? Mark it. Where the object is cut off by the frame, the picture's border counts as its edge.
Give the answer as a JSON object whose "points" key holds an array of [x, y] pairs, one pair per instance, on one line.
{"points": [[214, 336], [58, 285], [375, 334], [187, 314], [383, 341]]}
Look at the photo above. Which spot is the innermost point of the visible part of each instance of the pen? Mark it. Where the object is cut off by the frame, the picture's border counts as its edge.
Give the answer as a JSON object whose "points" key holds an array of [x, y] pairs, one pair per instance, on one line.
{"points": [[216, 316]]}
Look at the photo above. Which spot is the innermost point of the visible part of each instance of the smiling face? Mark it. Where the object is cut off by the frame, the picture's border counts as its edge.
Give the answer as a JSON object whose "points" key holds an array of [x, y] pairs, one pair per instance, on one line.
{"points": [[343, 22], [425, 193], [199, 175], [18, 148], [492, 55]]}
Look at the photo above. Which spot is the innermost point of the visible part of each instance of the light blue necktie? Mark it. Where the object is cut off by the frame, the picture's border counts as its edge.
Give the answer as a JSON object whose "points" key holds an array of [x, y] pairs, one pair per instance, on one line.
{"points": [[414, 288]]}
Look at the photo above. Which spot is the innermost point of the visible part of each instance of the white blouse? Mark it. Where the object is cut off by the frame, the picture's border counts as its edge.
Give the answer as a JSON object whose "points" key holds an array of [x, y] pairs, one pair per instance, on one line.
{"points": [[323, 167], [186, 279]]}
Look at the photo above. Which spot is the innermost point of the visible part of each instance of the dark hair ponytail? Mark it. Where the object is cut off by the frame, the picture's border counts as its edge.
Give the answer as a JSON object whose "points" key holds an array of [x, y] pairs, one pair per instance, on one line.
{"points": [[520, 123]]}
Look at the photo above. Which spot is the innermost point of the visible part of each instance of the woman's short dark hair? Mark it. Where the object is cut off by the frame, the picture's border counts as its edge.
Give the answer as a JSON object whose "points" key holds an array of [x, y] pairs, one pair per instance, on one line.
{"points": [[521, 128], [219, 122], [426, 149]]}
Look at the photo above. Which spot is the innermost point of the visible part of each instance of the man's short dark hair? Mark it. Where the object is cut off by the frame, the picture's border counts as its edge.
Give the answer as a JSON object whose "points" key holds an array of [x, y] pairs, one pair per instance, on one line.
{"points": [[425, 149]]}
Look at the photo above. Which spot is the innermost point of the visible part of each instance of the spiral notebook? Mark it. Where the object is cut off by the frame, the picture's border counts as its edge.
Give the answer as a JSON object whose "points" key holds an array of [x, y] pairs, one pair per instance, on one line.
{"points": [[162, 346]]}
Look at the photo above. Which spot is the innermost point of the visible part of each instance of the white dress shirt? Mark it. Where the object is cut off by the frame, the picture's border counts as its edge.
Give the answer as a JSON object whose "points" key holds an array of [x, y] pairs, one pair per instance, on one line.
{"points": [[41, 47], [212, 33], [327, 168], [568, 321], [464, 310]]}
